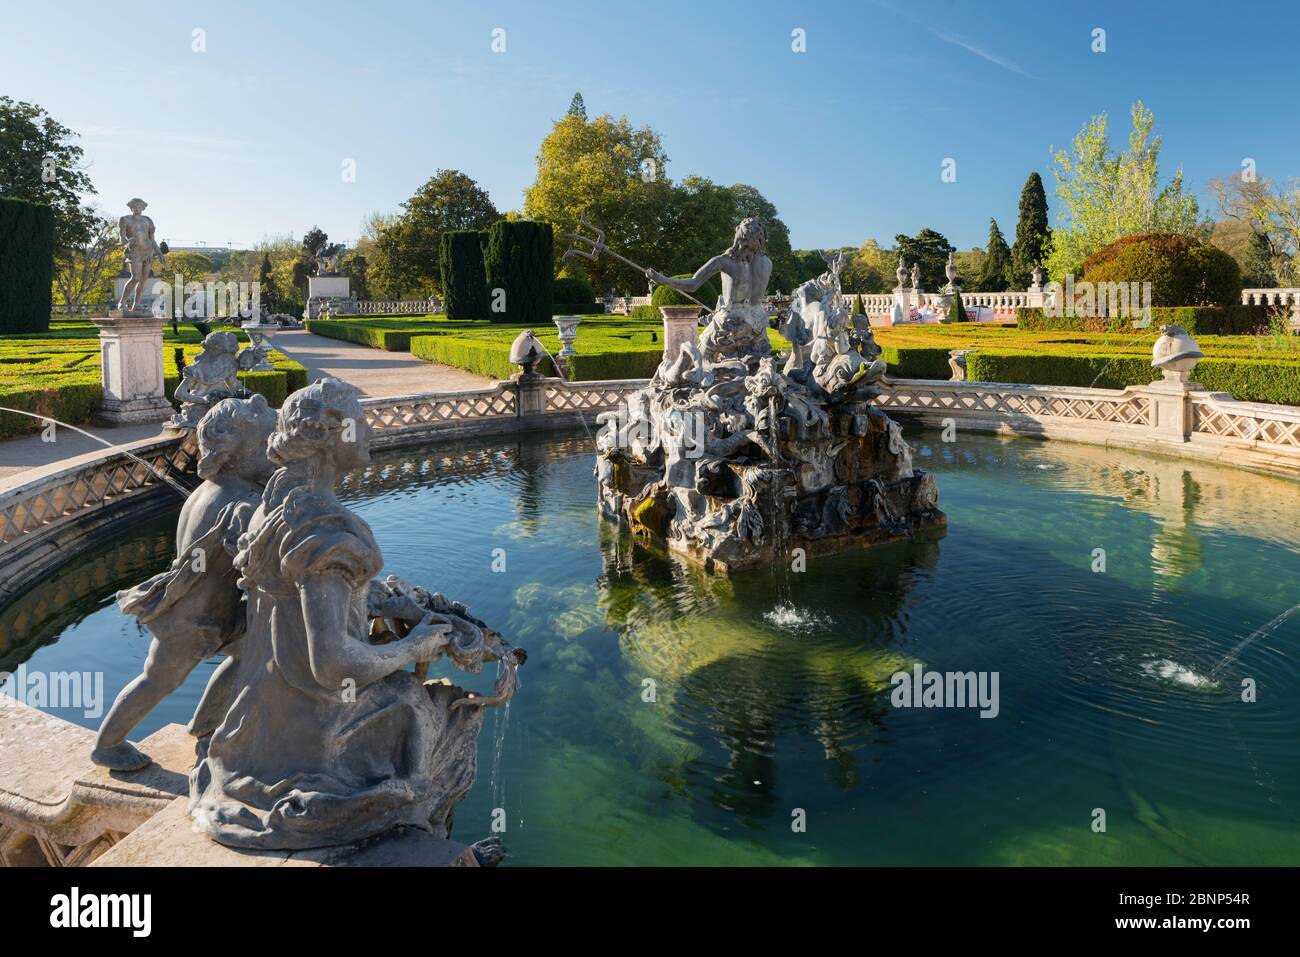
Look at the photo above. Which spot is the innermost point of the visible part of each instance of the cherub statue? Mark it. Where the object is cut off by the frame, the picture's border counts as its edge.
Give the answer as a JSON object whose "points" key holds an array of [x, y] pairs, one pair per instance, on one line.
{"points": [[214, 375], [195, 609], [329, 737]]}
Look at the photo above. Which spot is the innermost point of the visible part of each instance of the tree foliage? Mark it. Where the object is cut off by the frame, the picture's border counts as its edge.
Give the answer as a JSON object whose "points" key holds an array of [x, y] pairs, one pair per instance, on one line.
{"points": [[83, 272], [995, 276], [614, 174], [41, 163], [1272, 212], [930, 250], [405, 261], [1106, 195], [1033, 234]]}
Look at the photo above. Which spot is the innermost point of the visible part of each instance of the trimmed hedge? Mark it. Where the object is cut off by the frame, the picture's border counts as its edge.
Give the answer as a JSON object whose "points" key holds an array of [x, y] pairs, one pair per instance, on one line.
{"points": [[364, 334], [518, 260], [26, 265], [1197, 320], [1251, 380], [668, 296], [59, 375], [577, 309], [572, 290], [464, 281], [1181, 270]]}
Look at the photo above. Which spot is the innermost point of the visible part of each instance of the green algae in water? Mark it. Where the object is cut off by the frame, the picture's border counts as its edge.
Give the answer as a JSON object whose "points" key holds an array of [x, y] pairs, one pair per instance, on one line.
{"points": [[672, 717]]}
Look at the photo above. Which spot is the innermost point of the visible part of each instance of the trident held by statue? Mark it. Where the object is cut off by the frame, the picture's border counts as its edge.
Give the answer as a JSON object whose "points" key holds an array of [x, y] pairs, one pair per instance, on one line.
{"points": [[598, 245]]}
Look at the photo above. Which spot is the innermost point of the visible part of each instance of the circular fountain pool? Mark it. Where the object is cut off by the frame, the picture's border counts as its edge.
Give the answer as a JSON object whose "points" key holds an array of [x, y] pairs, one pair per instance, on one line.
{"points": [[670, 717]]}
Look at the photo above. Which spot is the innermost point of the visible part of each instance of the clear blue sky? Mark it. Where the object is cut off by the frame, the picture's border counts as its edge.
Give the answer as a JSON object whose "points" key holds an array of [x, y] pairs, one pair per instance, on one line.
{"points": [[248, 138]]}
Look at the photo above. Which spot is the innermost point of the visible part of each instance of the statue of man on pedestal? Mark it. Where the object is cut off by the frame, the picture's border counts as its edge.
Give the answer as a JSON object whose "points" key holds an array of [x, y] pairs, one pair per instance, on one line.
{"points": [[136, 232]]}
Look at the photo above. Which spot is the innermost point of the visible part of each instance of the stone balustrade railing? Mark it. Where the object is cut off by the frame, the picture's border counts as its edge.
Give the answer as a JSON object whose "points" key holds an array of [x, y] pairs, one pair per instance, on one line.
{"points": [[1003, 304], [1201, 424], [623, 305], [380, 307]]}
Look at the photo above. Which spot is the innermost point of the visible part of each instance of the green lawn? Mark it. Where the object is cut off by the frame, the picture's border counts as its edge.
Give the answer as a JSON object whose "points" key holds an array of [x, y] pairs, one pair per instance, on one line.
{"points": [[58, 373]]}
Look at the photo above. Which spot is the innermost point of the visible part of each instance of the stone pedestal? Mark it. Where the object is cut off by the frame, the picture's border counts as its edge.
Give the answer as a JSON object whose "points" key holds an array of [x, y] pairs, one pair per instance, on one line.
{"points": [[131, 363], [901, 311], [323, 289], [681, 324]]}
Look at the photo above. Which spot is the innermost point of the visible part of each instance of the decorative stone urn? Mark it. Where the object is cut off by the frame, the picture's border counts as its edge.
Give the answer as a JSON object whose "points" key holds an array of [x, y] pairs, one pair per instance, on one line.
{"points": [[258, 333], [568, 327], [1175, 354], [681, 324]]}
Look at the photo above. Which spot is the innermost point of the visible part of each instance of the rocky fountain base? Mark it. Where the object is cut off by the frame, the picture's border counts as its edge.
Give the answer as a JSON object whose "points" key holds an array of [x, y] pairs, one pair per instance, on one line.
{"points": [[735, 458]]}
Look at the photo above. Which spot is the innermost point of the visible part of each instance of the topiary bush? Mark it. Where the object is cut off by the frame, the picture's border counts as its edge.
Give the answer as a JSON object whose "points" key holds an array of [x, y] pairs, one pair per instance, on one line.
{"points": [[1182, 271], [26, 265], [464, 280], [519, 264], [574, 291], [956, 312], [668, 296], [645, 314]]}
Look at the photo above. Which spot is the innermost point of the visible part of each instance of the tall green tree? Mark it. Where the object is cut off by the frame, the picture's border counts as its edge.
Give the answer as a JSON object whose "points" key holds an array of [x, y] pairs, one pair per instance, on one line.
{"points": [[996, 274], [577, 107], [1106, 195], [616, 175], [41, 163], [406, 254], [1033, 234], [928, 249]]}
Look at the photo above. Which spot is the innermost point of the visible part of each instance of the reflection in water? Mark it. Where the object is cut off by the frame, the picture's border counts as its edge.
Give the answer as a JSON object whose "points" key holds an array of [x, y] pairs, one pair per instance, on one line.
{"points": [[42, 613], [771, 688], [735, 669]]}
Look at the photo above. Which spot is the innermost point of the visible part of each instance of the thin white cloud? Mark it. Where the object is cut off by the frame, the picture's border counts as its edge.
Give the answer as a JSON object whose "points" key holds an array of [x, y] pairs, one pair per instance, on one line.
{"points": [[970, 46], [973, 46]]}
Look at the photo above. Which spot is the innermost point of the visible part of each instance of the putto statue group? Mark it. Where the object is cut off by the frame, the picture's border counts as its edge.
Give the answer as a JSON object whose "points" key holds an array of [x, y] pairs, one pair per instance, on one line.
{"points": [[318, 727]]}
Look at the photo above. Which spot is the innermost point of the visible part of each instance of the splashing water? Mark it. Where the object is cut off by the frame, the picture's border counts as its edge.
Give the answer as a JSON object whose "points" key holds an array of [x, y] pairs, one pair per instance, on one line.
{"points": [[1174, 673], [787, 617], [184, 492], [498, 747], [1268, 629]]}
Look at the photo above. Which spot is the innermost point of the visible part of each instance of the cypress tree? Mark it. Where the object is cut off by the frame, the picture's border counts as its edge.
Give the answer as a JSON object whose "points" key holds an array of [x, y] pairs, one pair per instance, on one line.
{"points": [[1032, 233], [26, 265], [996, 275], [957, 311], [519, 264], [460, 267]]}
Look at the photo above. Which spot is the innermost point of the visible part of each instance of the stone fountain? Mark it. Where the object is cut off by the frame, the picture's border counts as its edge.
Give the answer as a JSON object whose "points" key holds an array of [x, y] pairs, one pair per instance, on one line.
{"points": [[736, 457]]}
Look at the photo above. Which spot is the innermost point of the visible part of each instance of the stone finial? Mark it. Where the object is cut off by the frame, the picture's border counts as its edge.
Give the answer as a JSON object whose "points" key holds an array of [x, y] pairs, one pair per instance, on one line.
{"points": [[526, 351], [1175, 353]]}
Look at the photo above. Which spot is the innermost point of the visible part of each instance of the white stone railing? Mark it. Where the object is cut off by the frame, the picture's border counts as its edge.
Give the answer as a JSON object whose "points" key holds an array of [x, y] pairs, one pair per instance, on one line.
{"points": [[1210, 425], [43, 518], [623, 305], [1283, 297], [380, 307], [1004, 304]]}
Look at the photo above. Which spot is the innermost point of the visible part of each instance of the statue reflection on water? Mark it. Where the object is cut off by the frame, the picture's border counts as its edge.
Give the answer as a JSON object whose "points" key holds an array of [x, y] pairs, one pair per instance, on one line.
{"points": [[743, 664]]}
